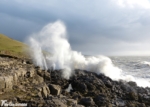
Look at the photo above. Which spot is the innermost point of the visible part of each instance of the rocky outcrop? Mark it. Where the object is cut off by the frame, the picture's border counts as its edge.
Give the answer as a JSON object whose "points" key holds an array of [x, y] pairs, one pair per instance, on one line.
{"points": [[22, 82]]}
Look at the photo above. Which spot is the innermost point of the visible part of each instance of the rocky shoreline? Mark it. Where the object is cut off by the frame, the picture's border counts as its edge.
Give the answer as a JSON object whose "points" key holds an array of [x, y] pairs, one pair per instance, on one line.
{"points": [[22, 82]]}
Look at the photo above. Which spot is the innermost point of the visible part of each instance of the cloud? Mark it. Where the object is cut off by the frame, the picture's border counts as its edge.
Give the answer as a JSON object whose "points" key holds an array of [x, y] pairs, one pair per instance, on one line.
{"points": [[94, 27], [134, 3]]}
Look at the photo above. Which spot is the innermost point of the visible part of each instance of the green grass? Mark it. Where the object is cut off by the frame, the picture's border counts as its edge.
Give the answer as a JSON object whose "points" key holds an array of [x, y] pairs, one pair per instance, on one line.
{"points": [[12, 47]]}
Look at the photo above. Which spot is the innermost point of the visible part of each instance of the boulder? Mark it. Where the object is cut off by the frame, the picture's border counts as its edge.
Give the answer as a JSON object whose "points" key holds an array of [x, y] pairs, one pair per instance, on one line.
{"points": [[132, 84], [55, 89], [133, 95], [71, 102], [87, 101], [141, 105], [59, 103], [44, 92], [101, 100], [40, 72], [47, 75], [39, 79], [78, 105], [79, 86], [108, 84], [90, 86]]}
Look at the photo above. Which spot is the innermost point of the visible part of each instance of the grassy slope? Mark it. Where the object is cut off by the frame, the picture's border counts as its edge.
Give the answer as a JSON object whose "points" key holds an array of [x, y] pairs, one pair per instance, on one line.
{"points": [[10, 46]]}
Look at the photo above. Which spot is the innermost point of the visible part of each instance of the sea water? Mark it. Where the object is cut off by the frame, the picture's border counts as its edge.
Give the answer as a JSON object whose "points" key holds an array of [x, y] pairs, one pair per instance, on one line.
{"points": [[136, 66]]}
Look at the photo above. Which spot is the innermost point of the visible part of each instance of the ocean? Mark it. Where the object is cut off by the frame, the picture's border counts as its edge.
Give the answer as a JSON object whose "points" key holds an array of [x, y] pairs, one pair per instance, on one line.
{"points": [[135, 66]]}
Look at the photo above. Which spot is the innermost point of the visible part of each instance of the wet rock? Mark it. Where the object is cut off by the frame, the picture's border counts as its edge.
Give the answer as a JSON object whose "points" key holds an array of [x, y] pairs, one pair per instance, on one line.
{"points": [[132, 84], [93, 93], [141, 105], [87, 101], [119, 102], [56, 78], [90, 86], [144, 98], [141, 90], [76, 95], [131, 104], [79, 86], [125, 87], [108, 84], [101, 100], [133, 95]]}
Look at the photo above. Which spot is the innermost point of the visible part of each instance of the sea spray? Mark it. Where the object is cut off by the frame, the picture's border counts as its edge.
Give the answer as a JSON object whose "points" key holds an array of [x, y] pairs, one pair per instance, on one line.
{"points": [[37, 54], [53, 40], [50, 48]]}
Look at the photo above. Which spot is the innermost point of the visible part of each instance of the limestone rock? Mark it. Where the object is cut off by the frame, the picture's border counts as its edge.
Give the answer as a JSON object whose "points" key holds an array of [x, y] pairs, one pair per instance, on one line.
{"points": [[59, 103], [45, 91], [2, 83], [55, 89], [39, 79], [8, 83], [71, 102]]}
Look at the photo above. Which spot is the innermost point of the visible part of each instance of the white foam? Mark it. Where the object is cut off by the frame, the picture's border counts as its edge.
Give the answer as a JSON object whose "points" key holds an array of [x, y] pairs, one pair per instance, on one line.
{"points": [[69, 88], [145, 63]]}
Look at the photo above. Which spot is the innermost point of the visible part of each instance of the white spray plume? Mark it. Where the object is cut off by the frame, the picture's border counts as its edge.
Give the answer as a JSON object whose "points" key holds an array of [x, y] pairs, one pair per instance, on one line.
{"points": [[50, 48], [52, 39]]}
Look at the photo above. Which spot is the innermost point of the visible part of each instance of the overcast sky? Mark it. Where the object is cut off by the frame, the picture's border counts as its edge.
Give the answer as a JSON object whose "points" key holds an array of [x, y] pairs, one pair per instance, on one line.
{"points": [[108, 27]]}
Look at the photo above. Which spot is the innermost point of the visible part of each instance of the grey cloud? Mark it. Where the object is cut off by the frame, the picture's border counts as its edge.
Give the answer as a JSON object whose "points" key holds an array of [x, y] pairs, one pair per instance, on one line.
{"points": [[101, 25]]}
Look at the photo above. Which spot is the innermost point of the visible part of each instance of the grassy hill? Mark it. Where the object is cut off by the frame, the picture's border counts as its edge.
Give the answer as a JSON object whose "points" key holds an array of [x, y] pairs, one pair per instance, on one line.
{"points": [[11, 47]]}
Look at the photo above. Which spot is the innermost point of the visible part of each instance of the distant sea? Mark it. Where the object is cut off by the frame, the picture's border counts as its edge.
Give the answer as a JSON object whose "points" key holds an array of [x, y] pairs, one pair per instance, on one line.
{"points": [[136, 66]]}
